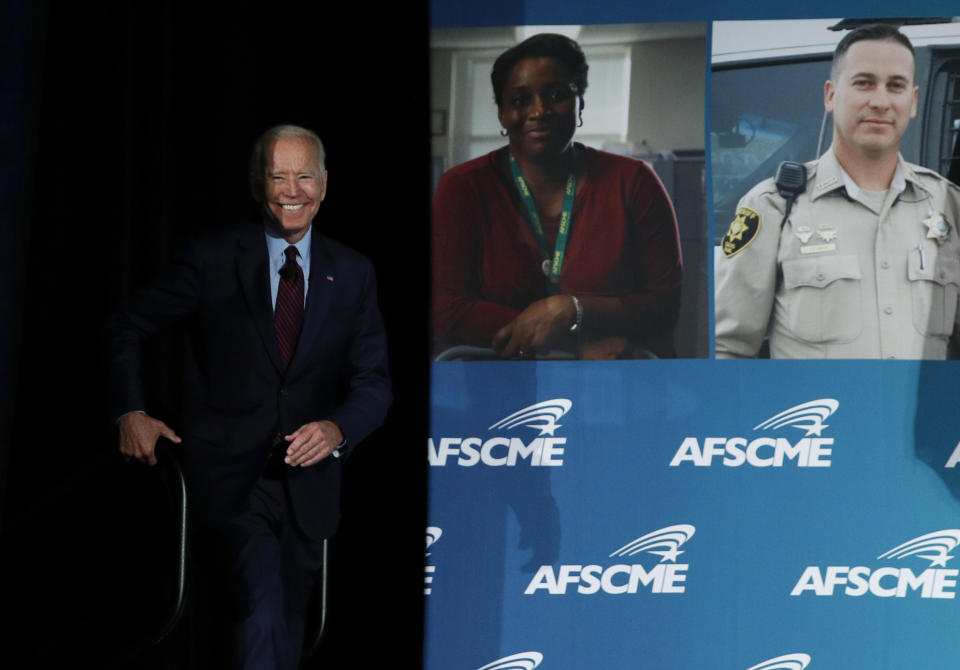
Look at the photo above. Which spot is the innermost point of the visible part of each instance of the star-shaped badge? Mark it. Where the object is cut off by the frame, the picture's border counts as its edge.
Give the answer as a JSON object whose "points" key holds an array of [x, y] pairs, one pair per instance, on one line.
{"points": [[937, 228]]}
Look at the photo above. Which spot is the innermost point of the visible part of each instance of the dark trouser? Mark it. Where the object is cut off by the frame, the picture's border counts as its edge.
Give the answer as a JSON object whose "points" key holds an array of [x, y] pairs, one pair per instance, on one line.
{"points": [[271, 572]]}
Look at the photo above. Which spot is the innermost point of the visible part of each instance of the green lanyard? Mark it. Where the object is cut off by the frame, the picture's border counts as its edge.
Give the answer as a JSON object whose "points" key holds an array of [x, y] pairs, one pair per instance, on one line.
{"points": [[552, 263]]}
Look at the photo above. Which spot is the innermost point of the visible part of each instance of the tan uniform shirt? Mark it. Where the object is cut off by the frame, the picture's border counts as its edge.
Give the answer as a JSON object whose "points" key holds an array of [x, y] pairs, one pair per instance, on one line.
{"points": [[851, 274]]}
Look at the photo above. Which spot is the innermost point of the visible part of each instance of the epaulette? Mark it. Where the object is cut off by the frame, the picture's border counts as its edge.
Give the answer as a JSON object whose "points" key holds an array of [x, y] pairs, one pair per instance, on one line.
{"points": [[927, 172]]}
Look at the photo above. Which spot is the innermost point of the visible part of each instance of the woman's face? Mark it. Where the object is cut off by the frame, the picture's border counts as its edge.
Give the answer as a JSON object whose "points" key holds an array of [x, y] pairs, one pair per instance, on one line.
{"points": [[538, 108]]}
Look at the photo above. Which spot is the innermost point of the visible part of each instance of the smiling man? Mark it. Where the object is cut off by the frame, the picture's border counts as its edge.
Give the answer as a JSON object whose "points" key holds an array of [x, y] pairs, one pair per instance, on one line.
{"points": [[865, 261], [287, 372]]}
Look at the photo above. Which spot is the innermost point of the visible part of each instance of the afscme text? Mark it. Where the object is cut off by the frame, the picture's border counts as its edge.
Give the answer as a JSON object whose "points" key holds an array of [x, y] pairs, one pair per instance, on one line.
{"points": [[496, 451], [762, 452]]}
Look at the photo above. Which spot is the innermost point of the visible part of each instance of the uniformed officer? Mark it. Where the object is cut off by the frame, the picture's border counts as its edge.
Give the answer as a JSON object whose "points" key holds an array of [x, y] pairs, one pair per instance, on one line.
{"points": [[867, 264]]}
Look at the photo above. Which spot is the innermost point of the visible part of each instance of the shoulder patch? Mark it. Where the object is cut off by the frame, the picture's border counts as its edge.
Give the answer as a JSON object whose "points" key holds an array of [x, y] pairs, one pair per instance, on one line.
{"points": [[922, 173], [922, 169], [741, 232]]}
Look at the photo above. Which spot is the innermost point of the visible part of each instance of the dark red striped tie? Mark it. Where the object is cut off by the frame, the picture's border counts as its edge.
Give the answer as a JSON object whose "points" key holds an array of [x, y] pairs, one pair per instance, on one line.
{"points": [[288, 317]]}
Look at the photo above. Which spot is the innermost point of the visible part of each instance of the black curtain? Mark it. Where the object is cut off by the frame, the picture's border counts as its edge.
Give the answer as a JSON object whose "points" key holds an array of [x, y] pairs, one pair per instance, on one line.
{"points": [[133, 128]]}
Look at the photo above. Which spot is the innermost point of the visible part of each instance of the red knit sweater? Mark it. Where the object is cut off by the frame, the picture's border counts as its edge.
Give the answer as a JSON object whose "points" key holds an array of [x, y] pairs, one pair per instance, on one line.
{"points": [[624, 243]]}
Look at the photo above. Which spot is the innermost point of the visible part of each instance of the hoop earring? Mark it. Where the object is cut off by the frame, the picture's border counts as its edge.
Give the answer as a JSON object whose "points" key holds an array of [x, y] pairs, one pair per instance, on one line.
{"points": [[503, 132], [580, 124]]}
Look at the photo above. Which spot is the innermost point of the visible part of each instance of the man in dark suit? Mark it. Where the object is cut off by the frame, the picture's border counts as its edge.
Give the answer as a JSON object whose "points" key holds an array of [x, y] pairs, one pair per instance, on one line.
{"points": [[286, 372]]}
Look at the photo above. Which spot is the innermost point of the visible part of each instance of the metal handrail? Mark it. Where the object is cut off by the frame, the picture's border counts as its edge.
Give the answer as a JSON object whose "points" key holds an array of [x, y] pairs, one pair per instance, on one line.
{"points": [[167, 461], [166, 456], [313, 642]]}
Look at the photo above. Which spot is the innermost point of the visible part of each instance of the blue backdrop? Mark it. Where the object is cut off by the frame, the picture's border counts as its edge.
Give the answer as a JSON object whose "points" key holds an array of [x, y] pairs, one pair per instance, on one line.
{"points": [[691, 514], [781, 507]]}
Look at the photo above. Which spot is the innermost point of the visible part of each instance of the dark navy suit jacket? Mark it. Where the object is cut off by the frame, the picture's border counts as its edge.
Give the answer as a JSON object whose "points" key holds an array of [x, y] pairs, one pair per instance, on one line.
{"points": [[237, 396]]}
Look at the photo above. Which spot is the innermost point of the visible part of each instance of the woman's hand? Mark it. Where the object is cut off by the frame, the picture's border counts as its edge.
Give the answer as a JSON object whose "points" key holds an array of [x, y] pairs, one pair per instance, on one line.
{"points": [[542, 324]]}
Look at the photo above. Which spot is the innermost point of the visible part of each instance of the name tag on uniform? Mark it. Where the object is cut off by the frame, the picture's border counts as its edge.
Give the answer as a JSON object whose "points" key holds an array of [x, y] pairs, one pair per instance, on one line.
{"points": [[818, 248]]}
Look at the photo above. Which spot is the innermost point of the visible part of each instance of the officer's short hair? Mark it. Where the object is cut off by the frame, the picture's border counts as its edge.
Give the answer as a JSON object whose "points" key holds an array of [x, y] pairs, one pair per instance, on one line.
{"points": [[869, 31]]}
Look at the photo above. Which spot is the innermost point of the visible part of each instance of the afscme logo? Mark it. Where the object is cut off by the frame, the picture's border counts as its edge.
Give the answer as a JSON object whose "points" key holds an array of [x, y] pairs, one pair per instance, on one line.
{"points": [[433, 534], [542, 416], [543, 450], [665, 543], [810, 451], [526, 660], [934, 547], [809, 417], [886, 582], [667, 576], [788, 662], [954, 457]]}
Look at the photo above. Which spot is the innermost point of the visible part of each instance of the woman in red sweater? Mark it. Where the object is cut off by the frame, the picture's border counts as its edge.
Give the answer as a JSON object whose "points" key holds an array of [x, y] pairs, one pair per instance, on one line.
{"points": [[547, 244]]}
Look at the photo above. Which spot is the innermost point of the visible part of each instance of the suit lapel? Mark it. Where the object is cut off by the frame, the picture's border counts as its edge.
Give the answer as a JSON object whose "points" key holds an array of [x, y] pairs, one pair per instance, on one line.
{"points": [[319, 295], [253, 272]]}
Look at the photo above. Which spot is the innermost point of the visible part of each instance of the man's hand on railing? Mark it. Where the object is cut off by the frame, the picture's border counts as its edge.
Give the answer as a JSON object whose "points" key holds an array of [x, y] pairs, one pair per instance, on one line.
{"points": [[139, 433]]}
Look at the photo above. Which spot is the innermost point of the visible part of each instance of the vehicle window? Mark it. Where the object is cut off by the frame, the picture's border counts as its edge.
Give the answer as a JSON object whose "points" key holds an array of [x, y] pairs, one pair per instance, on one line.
{"points": [[946, 104], [761, 115]]}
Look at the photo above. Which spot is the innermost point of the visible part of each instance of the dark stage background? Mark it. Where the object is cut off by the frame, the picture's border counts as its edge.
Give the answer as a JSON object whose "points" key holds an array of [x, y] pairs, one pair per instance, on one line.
{"points": [[124, 129]]}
